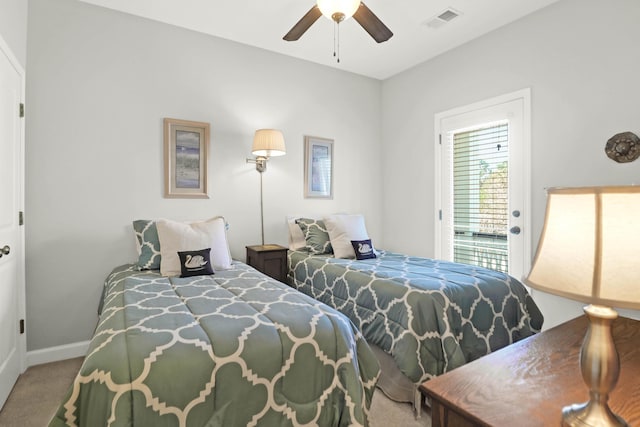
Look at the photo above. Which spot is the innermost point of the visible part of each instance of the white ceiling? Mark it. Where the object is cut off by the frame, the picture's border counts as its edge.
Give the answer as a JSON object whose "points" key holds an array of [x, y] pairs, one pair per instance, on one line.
{"points": [[263, 23]]}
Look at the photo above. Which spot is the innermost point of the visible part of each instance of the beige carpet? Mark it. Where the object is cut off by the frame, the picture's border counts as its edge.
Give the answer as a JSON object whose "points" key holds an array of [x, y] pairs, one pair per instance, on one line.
{"points": [[37, 394], [46, 385]]}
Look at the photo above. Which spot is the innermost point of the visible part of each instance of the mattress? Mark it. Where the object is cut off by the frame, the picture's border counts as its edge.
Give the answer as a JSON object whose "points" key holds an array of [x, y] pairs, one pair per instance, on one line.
{"points": [[236, 348]]}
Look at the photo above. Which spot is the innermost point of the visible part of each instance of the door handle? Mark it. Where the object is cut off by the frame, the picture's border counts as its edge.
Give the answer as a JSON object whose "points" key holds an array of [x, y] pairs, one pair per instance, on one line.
{"points": [[5, 250], [515, 230]]}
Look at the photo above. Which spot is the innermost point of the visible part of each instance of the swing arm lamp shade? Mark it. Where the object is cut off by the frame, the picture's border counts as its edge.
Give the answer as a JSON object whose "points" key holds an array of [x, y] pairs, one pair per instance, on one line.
{"points": [[268, 143]]}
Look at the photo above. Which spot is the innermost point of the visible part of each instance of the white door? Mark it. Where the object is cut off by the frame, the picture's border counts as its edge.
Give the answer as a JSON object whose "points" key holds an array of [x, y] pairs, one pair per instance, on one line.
{"points": [[472, 223], [12, 341]]}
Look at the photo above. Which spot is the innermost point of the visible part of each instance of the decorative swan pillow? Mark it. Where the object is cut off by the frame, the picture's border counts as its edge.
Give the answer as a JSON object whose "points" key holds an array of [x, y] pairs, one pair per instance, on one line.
{"points": [[363, 249], [195, 263]]}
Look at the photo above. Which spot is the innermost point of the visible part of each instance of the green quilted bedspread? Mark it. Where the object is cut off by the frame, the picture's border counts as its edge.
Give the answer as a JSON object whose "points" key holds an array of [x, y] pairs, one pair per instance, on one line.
{"points": [[233, 349], [431, 316]]}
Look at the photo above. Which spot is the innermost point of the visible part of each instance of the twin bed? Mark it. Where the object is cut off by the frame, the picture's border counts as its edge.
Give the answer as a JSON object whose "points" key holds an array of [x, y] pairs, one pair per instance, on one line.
{"points": [[237, 348], [422, 317]]}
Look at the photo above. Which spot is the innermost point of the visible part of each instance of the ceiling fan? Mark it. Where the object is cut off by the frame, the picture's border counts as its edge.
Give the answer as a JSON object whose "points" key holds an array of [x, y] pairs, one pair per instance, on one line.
{"points": [[338, 11]]}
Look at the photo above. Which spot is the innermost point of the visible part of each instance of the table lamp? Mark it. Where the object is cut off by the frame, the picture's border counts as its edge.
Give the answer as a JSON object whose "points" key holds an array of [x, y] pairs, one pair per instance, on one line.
{"points": [[589, 251]]}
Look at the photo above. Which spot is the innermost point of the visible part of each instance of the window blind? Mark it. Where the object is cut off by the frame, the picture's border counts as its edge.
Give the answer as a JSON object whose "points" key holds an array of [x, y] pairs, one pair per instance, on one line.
{"points": [[480, 196]]}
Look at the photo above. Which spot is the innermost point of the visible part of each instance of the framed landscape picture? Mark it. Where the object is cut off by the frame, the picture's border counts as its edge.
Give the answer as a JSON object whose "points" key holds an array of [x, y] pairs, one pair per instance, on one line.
{"points": [[318, 167], [186, 147]]}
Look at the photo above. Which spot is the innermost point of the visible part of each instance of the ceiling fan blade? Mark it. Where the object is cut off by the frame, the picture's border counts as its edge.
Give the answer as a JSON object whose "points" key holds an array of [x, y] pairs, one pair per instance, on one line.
{"points": [[372, 25], [303, 24]]}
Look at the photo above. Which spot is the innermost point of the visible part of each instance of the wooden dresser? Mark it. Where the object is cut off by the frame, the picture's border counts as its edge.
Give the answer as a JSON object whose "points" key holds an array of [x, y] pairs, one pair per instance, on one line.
{"points": [[528, 383]]}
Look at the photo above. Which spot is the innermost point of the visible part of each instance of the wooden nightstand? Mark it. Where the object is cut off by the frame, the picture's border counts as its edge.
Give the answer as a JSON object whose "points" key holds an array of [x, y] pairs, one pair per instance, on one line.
{"points": [[528, 383], [269, 259]]}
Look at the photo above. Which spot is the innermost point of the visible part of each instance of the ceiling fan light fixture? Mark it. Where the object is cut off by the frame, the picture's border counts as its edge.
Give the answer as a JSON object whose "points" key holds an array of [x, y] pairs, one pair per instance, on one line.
{"points": [[338, 10]]}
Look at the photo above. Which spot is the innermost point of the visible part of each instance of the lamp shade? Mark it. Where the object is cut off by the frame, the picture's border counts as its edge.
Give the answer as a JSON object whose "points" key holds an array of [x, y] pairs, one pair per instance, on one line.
{"points": [[345, 7], [268, 143], [589, 249]]}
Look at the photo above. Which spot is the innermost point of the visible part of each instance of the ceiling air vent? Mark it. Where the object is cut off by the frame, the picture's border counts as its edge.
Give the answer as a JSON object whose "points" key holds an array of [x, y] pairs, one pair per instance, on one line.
{"points": [[446, 16]]}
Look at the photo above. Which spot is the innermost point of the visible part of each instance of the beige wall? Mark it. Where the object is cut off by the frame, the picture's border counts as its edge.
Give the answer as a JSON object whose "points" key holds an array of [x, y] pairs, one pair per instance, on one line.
{"points": [[580, 59], [99, 84], [13, 27]]}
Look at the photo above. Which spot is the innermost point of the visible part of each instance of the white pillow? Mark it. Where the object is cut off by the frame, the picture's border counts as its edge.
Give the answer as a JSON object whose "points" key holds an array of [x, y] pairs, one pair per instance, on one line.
{"points": [[177, 236], [296, 236], [342, 230]]}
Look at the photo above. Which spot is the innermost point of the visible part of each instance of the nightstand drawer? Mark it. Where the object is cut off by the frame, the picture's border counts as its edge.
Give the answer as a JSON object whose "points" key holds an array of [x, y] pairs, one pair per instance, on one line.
{"points": [[269, 259]]}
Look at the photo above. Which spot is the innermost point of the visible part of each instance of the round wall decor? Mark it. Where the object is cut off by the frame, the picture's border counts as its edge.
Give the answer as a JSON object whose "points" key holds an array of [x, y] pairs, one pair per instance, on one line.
{"points": [[623, 147]]}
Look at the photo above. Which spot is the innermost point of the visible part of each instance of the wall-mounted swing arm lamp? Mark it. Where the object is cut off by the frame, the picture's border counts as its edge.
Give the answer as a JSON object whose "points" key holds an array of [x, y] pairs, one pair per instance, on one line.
{"points": [[266, 143]]}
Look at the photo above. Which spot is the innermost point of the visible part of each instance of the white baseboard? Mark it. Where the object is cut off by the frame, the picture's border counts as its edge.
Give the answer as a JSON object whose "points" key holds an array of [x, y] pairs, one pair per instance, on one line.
{"points": [[55, 354]]}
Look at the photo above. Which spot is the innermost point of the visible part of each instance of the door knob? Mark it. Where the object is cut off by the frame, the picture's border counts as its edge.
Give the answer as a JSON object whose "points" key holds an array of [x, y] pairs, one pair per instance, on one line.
{"points": [[515, 230], [5, 250]]}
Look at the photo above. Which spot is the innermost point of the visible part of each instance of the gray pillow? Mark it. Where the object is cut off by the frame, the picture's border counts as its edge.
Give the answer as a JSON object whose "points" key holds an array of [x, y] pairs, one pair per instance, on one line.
{"points": [[147, 235], [315, 235]]}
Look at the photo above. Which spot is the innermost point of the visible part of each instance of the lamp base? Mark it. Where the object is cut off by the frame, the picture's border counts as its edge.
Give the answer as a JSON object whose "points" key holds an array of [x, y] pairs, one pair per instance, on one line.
{"points": [[590, 414], [600, 367]]}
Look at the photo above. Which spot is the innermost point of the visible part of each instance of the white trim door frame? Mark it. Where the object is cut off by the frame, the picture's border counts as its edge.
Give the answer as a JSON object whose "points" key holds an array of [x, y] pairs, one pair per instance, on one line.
{"points": [[13, 341], [514, 107]]}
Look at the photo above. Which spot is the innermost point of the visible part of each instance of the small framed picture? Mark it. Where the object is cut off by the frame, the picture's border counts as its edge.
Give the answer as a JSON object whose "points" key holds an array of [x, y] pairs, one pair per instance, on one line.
{"points": [[186, 147], [318, 167]]}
